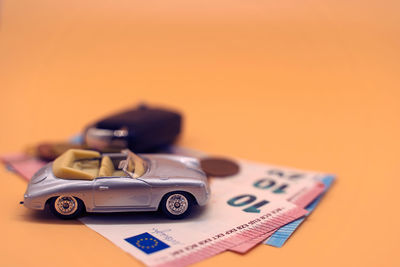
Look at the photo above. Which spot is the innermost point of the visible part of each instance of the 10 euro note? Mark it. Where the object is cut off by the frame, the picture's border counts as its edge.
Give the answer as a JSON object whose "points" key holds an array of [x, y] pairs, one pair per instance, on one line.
{"points": [[278, 238], [303, 188], [255, 202], [226, 221]]}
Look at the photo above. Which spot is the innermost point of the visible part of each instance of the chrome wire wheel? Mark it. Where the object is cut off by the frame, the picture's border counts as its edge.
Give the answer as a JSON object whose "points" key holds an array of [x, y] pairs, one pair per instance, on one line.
{"points": [[66, 205], [177, 204]]}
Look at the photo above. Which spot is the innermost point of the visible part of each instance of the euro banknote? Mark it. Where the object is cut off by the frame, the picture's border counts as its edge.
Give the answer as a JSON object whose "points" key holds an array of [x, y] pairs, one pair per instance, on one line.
{"points": [[278, 237], [237, 213], [22, 164], [222, 224]]}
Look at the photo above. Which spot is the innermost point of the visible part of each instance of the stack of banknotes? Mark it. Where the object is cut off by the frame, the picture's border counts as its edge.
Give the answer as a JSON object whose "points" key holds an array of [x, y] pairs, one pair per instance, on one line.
{"points": [[262, 204]]}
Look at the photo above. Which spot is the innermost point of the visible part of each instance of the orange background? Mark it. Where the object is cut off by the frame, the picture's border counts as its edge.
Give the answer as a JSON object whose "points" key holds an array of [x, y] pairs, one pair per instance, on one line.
{"points": [[309, 84]]}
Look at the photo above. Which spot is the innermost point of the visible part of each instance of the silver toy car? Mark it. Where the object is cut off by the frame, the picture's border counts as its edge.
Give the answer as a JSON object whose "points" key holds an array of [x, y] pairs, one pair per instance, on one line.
{"points": [[85, 180]]}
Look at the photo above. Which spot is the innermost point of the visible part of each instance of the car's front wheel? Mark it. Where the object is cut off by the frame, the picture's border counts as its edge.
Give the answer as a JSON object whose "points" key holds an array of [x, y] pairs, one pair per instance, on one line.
{"points": [[177, 205], [66, 207]]}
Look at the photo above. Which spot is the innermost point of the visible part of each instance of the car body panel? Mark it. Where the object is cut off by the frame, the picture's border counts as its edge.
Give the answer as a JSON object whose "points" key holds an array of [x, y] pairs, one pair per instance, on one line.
{"points": [[124, 191]]}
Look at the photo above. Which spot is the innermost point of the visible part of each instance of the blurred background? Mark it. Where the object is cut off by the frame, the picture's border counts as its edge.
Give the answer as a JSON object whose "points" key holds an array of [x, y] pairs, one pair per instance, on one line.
{"points": [[307, 84]]}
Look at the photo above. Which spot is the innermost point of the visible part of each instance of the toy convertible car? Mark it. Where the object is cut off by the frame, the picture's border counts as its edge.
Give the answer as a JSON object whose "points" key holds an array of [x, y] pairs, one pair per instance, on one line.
{"points": [[85, 180]]}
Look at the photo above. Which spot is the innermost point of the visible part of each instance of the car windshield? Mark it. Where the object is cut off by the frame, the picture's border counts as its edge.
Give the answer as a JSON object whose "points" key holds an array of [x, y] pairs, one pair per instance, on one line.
{"points": [[135, 165]]}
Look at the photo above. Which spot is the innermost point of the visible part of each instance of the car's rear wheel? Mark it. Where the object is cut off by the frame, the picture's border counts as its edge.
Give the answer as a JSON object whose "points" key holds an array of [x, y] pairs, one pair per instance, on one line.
{"points": [[177, 205], [66, 207]]}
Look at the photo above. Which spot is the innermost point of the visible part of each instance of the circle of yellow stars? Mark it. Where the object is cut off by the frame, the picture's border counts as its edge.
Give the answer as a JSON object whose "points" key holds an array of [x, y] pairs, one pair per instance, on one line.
{"points": [[145, 239]]}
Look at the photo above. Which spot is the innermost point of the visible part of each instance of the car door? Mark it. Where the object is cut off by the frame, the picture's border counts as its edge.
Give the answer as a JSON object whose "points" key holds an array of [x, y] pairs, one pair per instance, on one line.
{"points": [[121, 192]]}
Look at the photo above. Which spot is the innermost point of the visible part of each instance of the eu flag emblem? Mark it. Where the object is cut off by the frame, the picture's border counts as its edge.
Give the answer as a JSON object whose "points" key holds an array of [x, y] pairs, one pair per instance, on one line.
{"points": [[146, 243]]}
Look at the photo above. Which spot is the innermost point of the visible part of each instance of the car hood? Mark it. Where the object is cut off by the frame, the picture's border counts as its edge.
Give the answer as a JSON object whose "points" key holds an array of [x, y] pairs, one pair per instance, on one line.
{"points": [[172, 166]]}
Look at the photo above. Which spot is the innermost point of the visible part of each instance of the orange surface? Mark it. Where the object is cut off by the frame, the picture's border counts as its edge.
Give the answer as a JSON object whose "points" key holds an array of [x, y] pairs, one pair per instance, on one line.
{"points": [[310, 84]]}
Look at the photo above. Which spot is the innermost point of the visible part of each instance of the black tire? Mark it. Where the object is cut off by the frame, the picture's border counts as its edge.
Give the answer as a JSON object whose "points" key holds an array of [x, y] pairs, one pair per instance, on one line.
{"points": [[66, 207], [177, 205]]}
